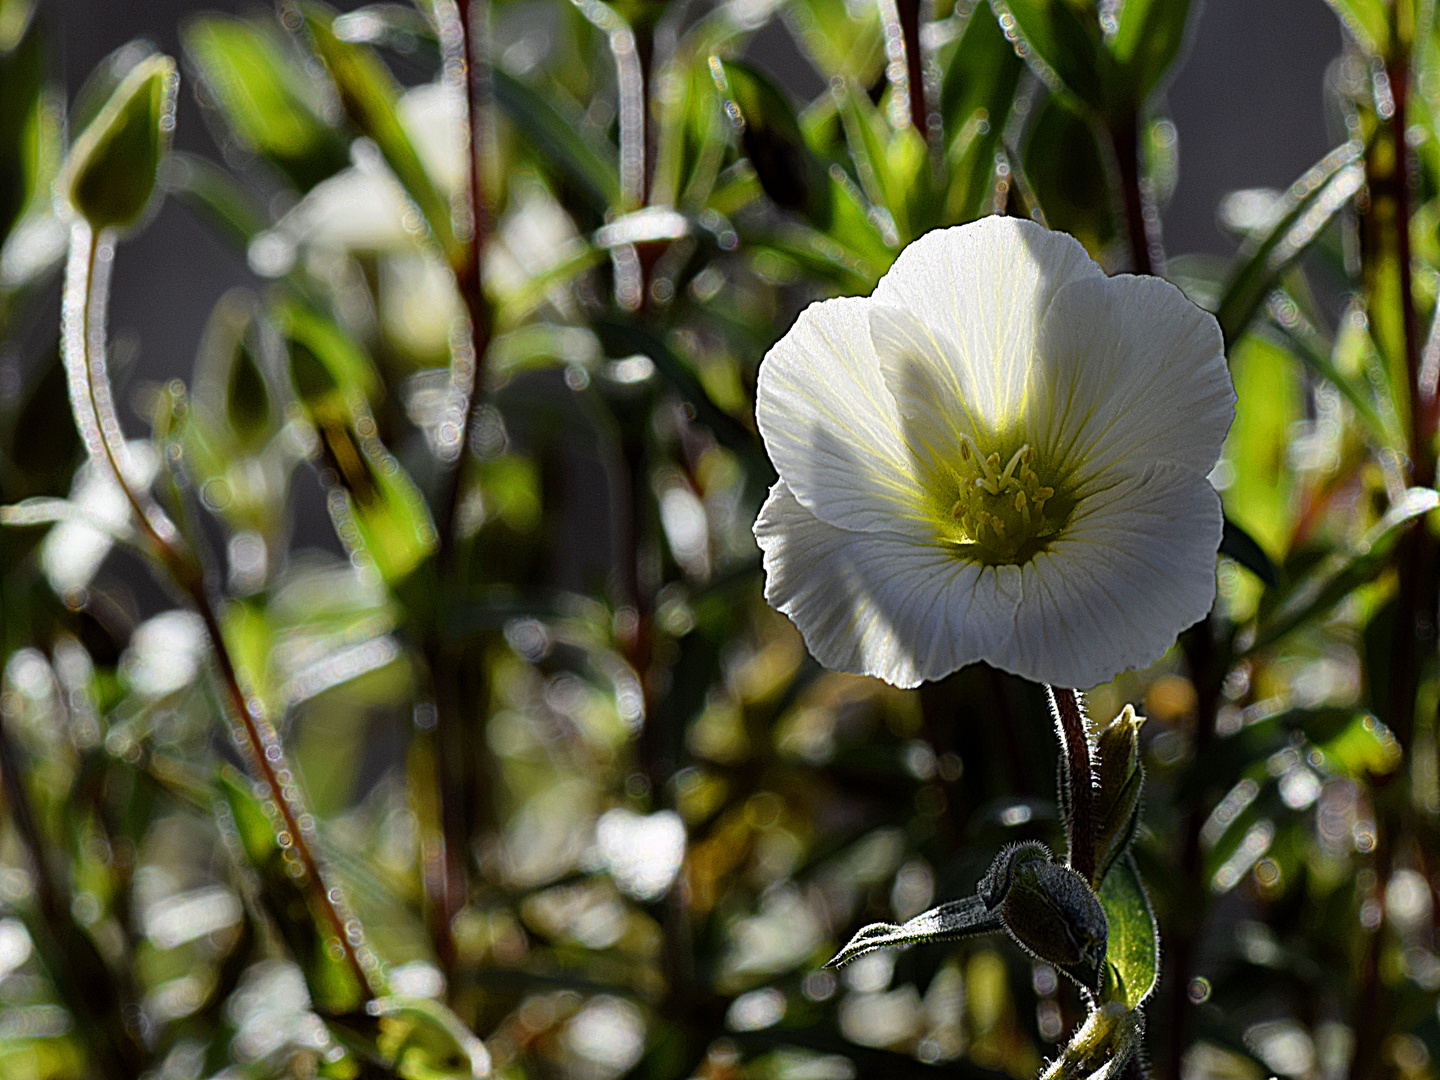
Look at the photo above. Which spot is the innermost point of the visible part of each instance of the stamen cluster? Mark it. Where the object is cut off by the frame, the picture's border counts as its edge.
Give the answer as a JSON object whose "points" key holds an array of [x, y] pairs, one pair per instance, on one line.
{"points": [[999, 509]]}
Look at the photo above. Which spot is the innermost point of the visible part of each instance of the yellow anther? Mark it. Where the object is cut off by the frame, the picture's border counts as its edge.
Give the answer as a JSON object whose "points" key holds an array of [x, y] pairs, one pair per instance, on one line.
{"points": [[1020, 500]]}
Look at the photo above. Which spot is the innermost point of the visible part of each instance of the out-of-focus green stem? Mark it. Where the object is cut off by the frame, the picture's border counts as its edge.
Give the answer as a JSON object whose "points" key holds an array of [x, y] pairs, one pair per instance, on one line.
{"points": [[83, 345], [1385, 226], [456, 774]]}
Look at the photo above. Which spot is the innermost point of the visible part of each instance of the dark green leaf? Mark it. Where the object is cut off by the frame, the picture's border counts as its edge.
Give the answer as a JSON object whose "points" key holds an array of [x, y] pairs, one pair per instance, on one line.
{"points": [[1134, 945], [981, 77], [1305, 209], [22, 77], [331, 983], [1063, 42], [112, 168], [253, 83], [770, 136], [592, 168], [1146, 42], [1344, 571], [1067, 174], [324, 359], [627, 339], [1242, 547], [248, 409]]}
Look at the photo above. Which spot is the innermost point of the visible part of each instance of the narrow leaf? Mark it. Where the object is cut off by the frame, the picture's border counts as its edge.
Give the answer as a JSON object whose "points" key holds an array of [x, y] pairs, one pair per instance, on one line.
{"points": [[1343, 572], [1146, 42], [1134, 947], [253, 84], [1305, 209], [1063, 43], [593, 169], [368, 93], [1239, 545], [948, 922]]}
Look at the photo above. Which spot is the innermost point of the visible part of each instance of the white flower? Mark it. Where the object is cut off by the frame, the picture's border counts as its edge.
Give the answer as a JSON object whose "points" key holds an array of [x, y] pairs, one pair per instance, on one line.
{"points": [[1000, 455]]}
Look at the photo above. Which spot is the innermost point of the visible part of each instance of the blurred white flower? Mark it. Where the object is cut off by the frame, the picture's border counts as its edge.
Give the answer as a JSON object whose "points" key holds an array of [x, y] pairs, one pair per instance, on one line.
{"points": [[1000, 455]]}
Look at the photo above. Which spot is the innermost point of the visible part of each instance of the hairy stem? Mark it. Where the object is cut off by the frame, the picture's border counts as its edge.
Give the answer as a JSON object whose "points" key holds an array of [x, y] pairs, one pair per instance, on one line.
{"points": [[1073, 728], [83, 342]]}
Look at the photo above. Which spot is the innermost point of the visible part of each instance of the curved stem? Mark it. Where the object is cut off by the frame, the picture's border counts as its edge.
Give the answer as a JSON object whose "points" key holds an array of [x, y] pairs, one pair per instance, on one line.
{"points": [[87, 275], [1074, 731]]}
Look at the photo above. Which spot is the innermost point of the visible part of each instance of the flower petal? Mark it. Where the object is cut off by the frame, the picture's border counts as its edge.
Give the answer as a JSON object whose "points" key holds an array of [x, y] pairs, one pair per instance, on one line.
{"points": [[1133, 567], [829, 423], [981, 290], [882, 604], [1129, 371]]}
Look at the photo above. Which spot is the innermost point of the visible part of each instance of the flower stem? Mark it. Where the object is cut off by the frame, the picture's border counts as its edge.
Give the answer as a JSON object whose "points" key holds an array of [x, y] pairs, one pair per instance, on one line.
{"points": [[83, 343], [909, 14], [1074, 730], [1142, 225]]}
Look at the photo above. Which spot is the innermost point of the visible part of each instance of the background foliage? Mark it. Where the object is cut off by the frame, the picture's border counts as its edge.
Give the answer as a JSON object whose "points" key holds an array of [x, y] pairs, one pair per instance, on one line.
{"points": [[575, 790]]}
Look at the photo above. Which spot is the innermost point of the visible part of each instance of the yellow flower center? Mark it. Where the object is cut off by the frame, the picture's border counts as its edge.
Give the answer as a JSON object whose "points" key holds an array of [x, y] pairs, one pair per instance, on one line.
{"points": [[999, 507]]}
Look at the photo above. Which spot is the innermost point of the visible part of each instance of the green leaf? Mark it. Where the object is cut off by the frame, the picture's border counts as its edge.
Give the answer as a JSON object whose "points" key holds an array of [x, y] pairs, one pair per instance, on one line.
{"points": [[949, 922], [1368, 22], [1239, 545], [770, 136], [1304, 210], [1133, 953], [1259, 498], [593, 169], [1306, 346], [1068, 176], [1063, 42], [841, 39], [1146, 42], [255, 85], [384, 517], [324, 359], [426, 1041], [976, 95], [111, 171], [332, 984], [228, 360], [368, 94], [1339, 574], [22, 79]]}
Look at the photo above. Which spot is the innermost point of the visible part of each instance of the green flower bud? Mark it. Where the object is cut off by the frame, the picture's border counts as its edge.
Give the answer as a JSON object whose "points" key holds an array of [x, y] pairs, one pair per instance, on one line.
{"points": [[1053, 914], [111, 171], [1121, 778]]}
